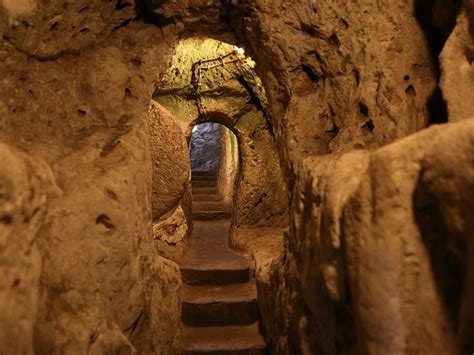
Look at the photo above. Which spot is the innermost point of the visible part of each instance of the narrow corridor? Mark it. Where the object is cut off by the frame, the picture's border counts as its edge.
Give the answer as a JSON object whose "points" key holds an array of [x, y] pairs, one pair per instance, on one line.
{"points": [[219, 310]]}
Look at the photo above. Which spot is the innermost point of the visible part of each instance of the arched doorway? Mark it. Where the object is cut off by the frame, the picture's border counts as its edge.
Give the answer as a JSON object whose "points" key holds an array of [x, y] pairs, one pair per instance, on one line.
{"points": [[214, 158]]}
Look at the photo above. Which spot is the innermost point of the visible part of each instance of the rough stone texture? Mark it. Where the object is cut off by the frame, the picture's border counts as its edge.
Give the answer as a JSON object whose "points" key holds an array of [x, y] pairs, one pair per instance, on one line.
{"points": [[340, 75], [47, 30], [170, 234], [162, 316], [229, 166], [369, 230], [23, 194], [81, 106], [205, 147], [260, 197], [268, 248], [457, 66], [169, 153]]}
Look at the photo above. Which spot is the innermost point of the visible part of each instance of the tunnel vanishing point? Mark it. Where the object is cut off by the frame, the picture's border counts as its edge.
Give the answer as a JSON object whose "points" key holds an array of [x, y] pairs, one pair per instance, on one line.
{"points": [[237, 177]]}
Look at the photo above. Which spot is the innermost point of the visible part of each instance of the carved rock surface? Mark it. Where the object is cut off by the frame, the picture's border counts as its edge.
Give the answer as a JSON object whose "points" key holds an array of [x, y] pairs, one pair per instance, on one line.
{"points": [[369, 230], [170, 156], [205, 147], [23, 197], [85, 113], [457, 64], [49, 29]]}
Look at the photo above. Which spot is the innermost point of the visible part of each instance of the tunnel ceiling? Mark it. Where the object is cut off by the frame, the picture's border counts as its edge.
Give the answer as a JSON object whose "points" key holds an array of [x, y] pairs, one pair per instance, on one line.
{"points": [[207, 67]]}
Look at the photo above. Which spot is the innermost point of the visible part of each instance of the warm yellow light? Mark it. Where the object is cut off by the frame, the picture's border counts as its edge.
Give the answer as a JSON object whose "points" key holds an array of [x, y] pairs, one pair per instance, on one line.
{"points": [[239, 50]]}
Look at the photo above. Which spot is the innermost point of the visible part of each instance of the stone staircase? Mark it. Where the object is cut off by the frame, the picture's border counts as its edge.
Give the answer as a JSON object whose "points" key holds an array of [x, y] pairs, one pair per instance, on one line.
{"points": [[219, 310], [207, 202]]}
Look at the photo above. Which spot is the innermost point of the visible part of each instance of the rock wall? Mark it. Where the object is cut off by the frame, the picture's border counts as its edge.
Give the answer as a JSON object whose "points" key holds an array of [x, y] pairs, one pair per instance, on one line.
{"points": [[77, 79], [205, 147], [380, 225], [457, 66], [338, 76], [170, 157], [23, 195], [229, 167]]}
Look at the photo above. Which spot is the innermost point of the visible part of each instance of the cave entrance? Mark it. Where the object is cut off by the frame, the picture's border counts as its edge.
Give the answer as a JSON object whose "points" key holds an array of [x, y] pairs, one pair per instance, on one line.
{"points": [[214, 157]]}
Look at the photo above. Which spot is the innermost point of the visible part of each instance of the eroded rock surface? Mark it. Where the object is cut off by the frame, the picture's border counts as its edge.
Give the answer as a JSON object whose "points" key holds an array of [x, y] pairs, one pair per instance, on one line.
{"points": [[205, 147], [81, 106], [170, 156], [23, 197], [371, 232], [457, 65]]}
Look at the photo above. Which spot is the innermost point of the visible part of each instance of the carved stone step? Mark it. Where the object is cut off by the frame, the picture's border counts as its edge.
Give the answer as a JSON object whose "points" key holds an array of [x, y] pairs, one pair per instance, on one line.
{"points": [[203, 183], [207, 198], [223, 340], [220, 305]]}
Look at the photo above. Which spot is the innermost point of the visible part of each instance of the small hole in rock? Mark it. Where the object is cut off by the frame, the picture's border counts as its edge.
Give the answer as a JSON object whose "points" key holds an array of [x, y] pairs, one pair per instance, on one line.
{"points": [[363, 109], [81, 112], [121, 5], [7, 219], [369, 125], [406, 77], [334, 130], [136, 61], [333, 39], [310, 73], [344, 24], [128, 92], [410, 90], [84, 30], [54, 26], [105, 221]]}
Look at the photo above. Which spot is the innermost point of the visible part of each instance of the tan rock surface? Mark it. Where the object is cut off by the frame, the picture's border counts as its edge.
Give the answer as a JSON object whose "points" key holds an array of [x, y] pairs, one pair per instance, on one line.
{"points": [[338, 76], [170, 235], [457, 66], [84, 113], [268, 249], [372, 250], [23, 197], [170, 156]]}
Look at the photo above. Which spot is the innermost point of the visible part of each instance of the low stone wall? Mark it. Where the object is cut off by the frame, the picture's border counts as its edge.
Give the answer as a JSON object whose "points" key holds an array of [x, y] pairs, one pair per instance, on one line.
{"points": [[268, 248]]}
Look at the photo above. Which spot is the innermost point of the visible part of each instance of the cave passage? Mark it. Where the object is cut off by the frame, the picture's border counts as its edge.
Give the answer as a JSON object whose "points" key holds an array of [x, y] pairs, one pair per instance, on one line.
{"points": [[219, 295], [215, 100], [214, 160]]}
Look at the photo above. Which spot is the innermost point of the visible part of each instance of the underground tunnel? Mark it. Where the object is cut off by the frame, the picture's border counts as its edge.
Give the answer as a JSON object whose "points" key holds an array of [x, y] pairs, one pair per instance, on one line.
{"points": [[236, 177]]}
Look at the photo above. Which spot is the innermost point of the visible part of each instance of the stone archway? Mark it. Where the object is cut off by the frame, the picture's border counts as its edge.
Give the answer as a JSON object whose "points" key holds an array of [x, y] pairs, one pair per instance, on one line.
{"points": [[228, 92]]}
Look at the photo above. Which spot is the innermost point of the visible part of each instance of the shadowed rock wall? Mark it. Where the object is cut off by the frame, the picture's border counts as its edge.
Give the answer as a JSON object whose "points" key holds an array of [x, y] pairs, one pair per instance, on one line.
{"points": [[23, 195]]}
